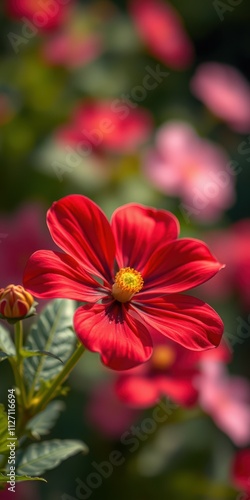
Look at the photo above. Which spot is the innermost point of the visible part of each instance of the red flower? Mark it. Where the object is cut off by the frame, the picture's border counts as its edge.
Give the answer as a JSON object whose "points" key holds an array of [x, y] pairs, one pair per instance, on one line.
{"points": [[170, 372], [241, 471], [130, 272], [101, 126], [160, 27]]}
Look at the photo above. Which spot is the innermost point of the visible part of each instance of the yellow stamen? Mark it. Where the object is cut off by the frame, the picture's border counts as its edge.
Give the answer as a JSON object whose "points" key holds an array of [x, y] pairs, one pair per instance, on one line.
{"points": [[163, 357], [128, 281]]}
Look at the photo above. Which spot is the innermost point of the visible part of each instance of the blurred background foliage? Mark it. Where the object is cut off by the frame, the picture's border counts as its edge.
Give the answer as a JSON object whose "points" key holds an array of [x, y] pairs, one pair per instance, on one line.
{"points": [[188, 457]]}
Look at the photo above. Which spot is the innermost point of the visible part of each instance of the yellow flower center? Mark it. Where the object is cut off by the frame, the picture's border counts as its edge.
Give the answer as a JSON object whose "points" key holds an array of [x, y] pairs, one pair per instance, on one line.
{"points": [[163, 357], [128, 281]]}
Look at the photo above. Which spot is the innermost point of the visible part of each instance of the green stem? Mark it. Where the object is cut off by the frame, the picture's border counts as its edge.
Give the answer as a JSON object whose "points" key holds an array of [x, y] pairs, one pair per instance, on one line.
{"points": [[17, 364], [19, 339], [61, 377]]}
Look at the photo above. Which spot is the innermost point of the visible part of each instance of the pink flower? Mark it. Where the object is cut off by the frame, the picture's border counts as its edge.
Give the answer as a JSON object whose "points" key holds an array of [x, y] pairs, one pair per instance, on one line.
{"points": [[241, 471], [225, 91], [185, 165], [130, 273], [160, 27], [232, 245], [226, 399], [107, 413], [21, 233], [43, 15], [101, 125]]}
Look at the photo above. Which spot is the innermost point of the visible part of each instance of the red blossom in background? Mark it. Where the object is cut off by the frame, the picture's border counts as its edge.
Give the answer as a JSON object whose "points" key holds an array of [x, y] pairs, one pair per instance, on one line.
{"points": [[78, 41], [169, 372], [225, 91], [161, 29], [130, 272], [241, 471], [106, 125]]}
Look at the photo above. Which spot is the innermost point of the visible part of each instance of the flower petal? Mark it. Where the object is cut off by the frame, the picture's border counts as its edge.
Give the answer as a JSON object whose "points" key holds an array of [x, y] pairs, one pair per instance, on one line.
{"points": [[140, 230], [122, 341], [137, 391], [181, 390], [56, 275], [79, 227], [186, 320], [181, 265], [142, 392]]}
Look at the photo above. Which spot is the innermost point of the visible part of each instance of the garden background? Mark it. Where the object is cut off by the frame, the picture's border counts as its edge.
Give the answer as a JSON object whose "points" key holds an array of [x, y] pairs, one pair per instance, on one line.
{"points": [[102, 99]]}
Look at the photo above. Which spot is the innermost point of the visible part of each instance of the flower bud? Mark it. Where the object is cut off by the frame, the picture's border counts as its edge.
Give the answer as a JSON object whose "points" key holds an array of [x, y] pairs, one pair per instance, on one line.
{"points": [[15, 302]]}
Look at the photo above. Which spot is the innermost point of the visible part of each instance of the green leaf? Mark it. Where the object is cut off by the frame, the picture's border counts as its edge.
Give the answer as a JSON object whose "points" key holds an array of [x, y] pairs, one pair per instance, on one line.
{"points": [[52, 333], [40, 457], [3, 429], [6, 343], [44, 421], [19, 479]]}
